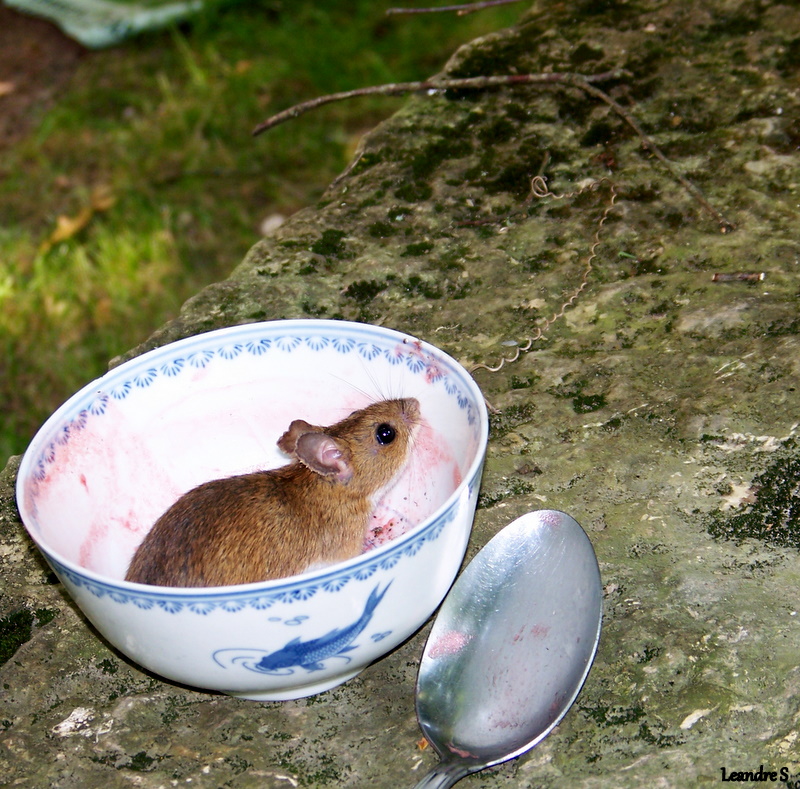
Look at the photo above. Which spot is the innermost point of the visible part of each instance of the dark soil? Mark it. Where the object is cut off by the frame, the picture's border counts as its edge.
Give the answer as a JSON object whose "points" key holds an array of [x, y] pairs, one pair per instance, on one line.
{"points": [[37, 62]]}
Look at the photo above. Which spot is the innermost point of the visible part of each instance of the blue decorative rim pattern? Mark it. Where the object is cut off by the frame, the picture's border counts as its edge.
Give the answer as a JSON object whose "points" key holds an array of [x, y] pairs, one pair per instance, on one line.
{"points": [[92, 401], [170, 361]]}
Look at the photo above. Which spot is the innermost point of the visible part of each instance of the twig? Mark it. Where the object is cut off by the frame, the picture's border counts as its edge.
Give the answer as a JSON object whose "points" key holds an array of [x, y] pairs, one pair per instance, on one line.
{"points": [[741, 276], [724, 225], [579, 81], [540, 189], [461, 10], [399, 88]]}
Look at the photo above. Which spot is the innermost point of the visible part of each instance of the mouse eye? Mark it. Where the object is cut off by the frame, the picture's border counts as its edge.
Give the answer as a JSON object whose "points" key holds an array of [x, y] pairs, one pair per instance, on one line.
{"points": [[385, 433]]}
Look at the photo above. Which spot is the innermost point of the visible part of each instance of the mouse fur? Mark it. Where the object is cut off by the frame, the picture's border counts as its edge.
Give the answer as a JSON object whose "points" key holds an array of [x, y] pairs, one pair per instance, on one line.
{"points": [[272, 524]]}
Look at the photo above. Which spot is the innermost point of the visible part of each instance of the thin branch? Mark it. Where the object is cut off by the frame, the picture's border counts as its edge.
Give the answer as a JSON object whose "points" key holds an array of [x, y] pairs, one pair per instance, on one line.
{"points": [[724, 225], [399, 88], [461, 10], [578, 81]]}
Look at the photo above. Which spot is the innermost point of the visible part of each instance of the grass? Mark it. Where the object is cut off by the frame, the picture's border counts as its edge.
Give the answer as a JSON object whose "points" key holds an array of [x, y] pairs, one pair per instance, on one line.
{"points": [[142, 183]]}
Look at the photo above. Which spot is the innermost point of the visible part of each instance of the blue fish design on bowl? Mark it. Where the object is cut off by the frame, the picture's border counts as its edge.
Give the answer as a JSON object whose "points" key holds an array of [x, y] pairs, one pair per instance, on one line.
{"points": [[309, 655]]}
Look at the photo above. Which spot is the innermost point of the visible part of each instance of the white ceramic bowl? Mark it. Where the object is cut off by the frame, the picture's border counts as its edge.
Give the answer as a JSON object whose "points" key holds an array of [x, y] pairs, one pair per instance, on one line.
{"points": [[120, 451]]}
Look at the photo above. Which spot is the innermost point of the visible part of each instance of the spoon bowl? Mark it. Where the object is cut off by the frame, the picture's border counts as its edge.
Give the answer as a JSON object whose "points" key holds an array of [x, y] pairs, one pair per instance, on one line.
{"points": [[511, 646]]}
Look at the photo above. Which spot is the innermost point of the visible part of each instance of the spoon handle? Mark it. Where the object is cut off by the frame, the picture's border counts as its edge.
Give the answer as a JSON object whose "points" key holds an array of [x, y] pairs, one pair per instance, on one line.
{"points": [[443, 776]]}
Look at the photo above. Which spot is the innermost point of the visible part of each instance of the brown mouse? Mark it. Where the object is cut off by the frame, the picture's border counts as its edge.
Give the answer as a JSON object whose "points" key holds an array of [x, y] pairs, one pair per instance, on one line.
{"points": [[281, 522]]}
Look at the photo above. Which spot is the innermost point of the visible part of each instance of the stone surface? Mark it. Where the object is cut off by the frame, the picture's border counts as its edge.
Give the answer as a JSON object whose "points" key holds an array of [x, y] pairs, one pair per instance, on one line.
{"points": [[661, 411]]}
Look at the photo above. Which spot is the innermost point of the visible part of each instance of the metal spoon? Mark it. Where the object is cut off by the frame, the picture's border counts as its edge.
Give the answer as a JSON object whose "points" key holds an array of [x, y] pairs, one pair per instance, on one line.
{"points": [[511, 646]]}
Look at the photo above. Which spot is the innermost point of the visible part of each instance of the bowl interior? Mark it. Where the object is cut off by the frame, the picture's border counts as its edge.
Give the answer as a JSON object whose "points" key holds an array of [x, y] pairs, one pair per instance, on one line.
{"points": [[118, 453]]}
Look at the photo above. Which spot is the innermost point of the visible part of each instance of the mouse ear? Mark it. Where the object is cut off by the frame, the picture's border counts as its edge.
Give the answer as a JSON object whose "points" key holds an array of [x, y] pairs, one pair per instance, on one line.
{"points": [[324, 455], [288, 441]]}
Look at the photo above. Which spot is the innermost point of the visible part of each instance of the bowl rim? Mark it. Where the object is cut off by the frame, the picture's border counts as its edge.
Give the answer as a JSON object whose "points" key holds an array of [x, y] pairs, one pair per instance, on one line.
{"points": [[428, 529]]}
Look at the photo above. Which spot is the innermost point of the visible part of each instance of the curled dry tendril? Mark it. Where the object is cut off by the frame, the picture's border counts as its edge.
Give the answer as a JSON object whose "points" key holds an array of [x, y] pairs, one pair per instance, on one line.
{"points": [[540, 189]]}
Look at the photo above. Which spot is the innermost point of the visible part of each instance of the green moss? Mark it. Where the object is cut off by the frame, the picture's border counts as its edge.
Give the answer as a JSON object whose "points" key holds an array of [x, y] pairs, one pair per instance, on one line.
{"points": [[485, 231], [655, 735], [238, 764], [733, 25], [522, 382], [108, 666], [585, 404], [608, 715], [309, 267], [452, 260], [568, 389], [774, 516], [499, 131], [140, 762], [584, 53], [602, 132], [398, 213], [17, 627], [514, 178], [414, 192], [511, 487], [107, 760], [786, 327], [500, 56], [648, 653], [749, 79], [367, 160], [662, 308], [425, 287], [323, 771], [420, 248], [708, 438], [381, 230], [541, 261], [617, 11], [312, 309], [174, 707], [365, 290], [789, 61], [331, 244], [426, 160], [641, 193], [44, 616], [647, 265], [517, 112], [512, 416]]}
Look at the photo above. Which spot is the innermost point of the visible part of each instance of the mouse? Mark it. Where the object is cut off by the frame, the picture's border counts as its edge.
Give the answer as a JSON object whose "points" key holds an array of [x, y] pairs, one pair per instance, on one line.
{"points": [[271, 524]]}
